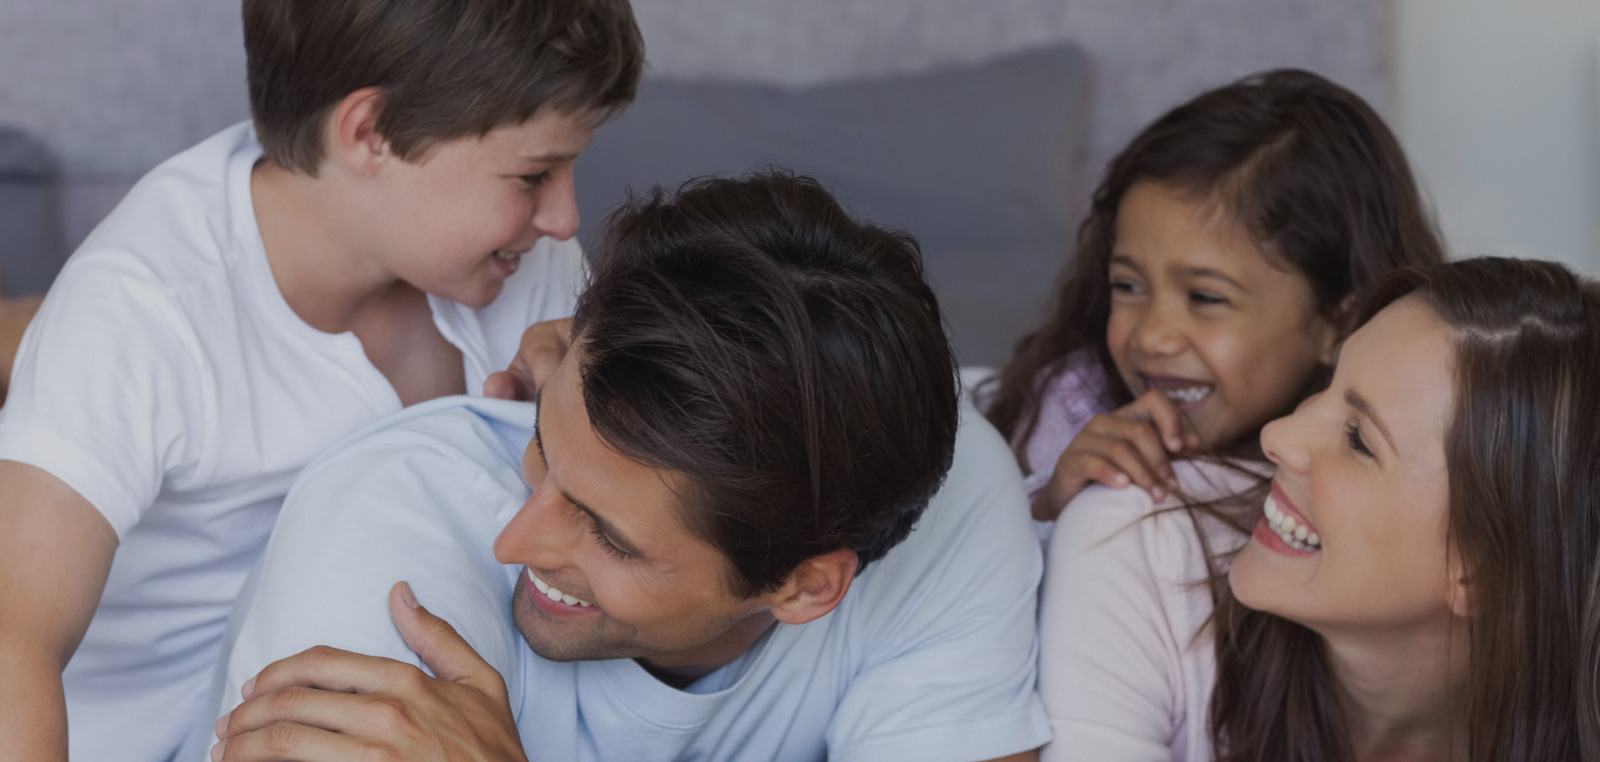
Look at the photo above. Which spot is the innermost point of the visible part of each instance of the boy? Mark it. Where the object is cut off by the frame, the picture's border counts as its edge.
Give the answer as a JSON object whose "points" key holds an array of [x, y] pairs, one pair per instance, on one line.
{"points": [[250, 303]]}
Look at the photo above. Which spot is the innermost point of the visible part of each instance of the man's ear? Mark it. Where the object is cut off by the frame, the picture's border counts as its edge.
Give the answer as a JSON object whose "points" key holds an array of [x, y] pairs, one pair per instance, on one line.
{"points": [[815, 587], [352, 138]]}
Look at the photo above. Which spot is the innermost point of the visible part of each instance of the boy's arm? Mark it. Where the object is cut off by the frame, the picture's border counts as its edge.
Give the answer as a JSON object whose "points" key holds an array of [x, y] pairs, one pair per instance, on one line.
{"points": [[55, 555]]}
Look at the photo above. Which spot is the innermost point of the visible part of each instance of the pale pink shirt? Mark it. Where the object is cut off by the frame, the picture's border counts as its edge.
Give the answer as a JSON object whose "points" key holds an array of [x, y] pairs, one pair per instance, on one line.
{"points": [[1126, 665], [1071, 399]]}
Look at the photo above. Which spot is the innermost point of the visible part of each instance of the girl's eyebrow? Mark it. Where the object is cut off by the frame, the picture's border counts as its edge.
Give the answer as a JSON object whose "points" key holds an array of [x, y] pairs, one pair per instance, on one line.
{"points": [[1355, 400], [1209, 272], [1125, 261]]}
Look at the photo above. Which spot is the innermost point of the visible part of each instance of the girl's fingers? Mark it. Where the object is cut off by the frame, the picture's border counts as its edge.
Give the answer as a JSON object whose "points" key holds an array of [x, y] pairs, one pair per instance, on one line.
{"points": [[1126, 457], [1116, 433], [1155, 407]]}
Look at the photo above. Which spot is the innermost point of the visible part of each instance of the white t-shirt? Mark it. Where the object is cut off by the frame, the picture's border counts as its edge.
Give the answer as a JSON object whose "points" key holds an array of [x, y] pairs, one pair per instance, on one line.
{"points": [[1125, 669], [167, 380], [931, 655]]}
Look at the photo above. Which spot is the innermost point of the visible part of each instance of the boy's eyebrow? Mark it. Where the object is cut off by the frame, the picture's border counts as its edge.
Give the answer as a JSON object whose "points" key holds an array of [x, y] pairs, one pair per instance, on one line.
{"points": [[606, 527], [1355, 400], [551, 158]]}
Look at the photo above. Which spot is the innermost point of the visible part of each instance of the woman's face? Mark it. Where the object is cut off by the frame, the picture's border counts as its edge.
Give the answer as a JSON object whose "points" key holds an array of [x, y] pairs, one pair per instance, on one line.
{"points": [[1355, 534]]}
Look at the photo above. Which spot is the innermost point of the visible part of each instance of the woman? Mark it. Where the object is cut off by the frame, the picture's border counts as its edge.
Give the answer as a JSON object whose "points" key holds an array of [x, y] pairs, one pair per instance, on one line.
{"points": [[1417, 582]]}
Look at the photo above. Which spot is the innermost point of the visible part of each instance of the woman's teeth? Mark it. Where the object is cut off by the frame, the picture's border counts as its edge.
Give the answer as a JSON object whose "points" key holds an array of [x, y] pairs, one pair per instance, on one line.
{"points": [[1188, 393], [1293, 533], [554, 594]]}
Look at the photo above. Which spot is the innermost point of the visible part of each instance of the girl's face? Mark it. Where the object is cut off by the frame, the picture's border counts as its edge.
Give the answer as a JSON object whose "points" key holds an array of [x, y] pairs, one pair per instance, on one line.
{"points": [[1355, 535], [1202, 313]]}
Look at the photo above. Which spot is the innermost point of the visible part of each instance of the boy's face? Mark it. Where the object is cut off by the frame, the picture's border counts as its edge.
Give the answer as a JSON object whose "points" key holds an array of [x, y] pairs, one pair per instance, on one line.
{"points": [[607, 533], [455, 222]]}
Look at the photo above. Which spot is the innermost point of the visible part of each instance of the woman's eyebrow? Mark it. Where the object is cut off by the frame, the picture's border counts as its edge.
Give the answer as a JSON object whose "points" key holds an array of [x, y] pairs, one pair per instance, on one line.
{"points": [[1355, 400]]}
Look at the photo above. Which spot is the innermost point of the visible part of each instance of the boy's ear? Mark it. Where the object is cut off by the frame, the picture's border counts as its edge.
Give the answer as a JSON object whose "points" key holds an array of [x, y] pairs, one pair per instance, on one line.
{"points": [[352, 137], [815, 587]]}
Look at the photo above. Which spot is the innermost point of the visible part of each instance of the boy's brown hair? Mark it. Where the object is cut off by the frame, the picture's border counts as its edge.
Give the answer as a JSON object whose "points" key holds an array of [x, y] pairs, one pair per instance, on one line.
{"points": [[447, 68]]}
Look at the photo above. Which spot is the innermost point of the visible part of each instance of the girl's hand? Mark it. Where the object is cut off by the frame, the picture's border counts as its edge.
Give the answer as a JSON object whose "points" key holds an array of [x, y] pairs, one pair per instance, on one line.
{"points": [[1132, 444]]}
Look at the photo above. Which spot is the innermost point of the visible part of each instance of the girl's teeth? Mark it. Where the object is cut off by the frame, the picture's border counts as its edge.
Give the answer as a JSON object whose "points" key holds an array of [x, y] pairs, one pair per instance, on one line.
{"points": [[1188, 394]]}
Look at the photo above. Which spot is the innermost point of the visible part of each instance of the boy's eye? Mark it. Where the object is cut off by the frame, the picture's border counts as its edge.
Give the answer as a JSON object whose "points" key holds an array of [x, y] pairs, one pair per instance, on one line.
{"points": [[1352, 436], [534, 181], [1207, 297]]}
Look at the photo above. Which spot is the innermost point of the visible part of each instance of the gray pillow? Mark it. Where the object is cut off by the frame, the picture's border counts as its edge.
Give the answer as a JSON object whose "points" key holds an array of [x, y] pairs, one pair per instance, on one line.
{"points": [[974, 161]]}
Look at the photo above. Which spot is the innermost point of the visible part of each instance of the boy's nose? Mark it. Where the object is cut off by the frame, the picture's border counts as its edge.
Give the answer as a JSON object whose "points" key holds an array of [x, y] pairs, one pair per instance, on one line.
{"points": [[556, 214]]}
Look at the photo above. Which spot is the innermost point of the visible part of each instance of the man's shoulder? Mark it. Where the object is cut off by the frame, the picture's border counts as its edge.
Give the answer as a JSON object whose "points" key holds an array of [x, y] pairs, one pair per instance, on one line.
{"points": [[450, 435]]}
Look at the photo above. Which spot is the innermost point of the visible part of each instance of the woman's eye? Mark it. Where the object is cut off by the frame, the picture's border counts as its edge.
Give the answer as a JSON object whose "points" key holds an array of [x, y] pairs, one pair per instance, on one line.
{"points": [[1206, 297], [1352, 435]]}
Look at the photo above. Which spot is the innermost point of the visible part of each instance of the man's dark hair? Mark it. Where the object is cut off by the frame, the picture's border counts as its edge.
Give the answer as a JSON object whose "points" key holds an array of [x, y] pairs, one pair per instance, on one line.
{"points": [[788, 360], [447, 68]]}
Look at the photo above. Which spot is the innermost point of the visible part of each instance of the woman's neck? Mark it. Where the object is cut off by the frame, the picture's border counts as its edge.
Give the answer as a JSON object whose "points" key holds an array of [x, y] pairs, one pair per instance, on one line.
{"points": [[323, 277], [1402, 692]]}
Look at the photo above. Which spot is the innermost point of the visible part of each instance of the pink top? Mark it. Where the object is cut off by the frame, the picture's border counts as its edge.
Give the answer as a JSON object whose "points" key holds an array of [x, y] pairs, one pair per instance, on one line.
{"points": [[1072, 398]]}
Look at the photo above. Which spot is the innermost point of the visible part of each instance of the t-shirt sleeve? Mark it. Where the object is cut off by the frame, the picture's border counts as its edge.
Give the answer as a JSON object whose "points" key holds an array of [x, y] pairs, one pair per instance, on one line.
{"points": [[1105, 673], [397, 508], [109, 392], [952, 641]]}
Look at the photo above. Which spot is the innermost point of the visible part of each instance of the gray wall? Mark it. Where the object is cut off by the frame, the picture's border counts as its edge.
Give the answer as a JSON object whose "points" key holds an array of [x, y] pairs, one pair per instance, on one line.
{"points": [[115, 86]]}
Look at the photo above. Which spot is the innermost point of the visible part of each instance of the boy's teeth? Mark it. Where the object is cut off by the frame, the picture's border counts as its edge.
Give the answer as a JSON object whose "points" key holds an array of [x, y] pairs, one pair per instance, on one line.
{"points": [[1293, 533], [506, 255], [554, 594]]}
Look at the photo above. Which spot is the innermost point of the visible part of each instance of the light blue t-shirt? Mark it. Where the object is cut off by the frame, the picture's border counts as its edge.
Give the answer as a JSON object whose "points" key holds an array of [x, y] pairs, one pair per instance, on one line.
{"points": [[930, 656]]}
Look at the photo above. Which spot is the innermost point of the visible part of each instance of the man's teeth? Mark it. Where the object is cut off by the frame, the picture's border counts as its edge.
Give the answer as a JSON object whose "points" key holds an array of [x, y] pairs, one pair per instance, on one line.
{"points": [[554, 594], [1188, 393], [1293, 533]]}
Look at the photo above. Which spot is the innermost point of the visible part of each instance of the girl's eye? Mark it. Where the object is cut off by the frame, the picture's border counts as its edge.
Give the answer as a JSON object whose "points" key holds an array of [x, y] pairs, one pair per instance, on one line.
{"points": [[1206, 298], [534, 181], [604, 542], [1352, 435], [1124, 286]]}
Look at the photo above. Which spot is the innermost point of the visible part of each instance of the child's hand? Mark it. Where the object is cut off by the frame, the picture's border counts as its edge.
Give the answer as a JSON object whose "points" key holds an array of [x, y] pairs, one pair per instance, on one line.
{"points": [[1134, 443], [543, 346]]}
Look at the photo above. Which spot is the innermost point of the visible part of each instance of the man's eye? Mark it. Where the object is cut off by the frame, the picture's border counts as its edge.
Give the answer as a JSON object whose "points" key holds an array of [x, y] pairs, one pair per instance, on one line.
{"points": [[606, 545]]}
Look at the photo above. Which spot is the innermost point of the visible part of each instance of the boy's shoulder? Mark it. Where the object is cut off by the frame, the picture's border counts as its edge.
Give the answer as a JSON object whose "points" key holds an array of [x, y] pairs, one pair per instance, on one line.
{"points": [[186, 218]]}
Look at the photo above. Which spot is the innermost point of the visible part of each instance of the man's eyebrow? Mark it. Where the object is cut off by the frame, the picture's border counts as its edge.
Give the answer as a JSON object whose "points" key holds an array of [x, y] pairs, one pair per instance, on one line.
{"points": [[606, 528], [1355, 400]]}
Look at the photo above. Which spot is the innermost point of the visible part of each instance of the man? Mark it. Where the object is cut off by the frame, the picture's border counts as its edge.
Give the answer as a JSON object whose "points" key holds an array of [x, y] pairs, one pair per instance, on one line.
{"points": [[732, 548]]}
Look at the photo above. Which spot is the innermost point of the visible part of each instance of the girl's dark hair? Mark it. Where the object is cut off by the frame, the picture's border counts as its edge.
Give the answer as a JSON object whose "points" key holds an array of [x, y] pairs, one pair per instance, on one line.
{"points": [[448, 68], [789, 361], [1304, 165], [1523, 455]]}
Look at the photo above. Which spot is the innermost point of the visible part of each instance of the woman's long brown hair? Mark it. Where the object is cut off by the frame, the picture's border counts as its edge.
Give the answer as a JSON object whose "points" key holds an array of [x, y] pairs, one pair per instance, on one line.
{"points": [[1523, 455], [1307, 168]]}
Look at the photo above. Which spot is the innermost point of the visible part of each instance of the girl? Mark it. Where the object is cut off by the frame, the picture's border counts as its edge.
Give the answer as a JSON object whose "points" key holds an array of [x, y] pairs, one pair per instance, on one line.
{"points": [[1419, 584], [1214, 276]]}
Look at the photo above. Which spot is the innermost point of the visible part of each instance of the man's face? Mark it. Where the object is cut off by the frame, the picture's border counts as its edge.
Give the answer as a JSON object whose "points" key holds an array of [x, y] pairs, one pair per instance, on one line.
{"points": [[606, 533]]}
